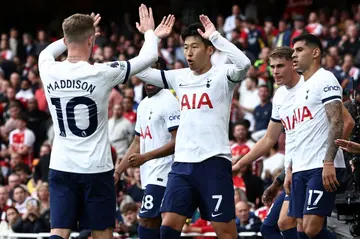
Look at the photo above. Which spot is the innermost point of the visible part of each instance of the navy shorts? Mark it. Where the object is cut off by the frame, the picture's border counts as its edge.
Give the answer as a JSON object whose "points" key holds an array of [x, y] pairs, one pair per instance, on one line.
{"points": [[207, 185], [308, 195], [84, 200], [150, 207], [273, 215]]}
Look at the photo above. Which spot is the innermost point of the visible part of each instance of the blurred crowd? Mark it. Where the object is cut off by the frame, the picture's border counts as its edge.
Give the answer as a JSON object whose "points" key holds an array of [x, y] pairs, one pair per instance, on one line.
{"points": [[26, 132]]}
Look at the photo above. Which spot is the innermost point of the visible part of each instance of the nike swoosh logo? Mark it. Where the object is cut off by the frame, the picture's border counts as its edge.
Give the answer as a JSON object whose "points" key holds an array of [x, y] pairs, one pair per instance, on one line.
{"points": [[181, 84], [216, 215], [142, 211], [311, 208]]}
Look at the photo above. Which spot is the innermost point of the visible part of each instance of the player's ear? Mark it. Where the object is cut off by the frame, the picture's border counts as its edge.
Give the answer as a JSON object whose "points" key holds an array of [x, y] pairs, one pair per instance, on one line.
{"points": [[316, 53], [91, 40], [210, 50], [65, 41]]}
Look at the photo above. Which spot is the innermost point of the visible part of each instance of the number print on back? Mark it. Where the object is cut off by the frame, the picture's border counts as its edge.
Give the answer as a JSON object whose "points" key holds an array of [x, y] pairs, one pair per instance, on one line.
{"points": [[70, 115]]}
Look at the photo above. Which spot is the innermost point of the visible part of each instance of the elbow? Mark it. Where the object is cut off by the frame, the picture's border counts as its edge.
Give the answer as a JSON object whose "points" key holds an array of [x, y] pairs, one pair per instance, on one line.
{"points": [[247, 64], [349, 124]]}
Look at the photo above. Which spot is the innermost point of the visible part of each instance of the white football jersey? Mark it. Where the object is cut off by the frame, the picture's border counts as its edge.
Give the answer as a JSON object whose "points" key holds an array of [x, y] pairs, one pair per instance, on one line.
{"points": [[156, 117], [78, 95], [205, 102], [282, 112], [311, 123]]}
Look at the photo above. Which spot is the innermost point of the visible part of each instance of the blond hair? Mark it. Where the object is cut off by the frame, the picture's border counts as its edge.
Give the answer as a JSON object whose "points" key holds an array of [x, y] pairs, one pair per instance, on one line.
{"points": [[282, 52], [78, 27]]}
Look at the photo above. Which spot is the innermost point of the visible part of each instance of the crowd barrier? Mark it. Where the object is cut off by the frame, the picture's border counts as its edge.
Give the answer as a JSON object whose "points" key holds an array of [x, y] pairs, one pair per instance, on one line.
{"points": [[75, 235]]}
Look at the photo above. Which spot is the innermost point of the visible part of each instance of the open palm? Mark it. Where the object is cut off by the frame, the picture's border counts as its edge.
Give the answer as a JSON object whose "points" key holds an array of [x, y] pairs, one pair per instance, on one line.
{"points": [[208, 26], [165, 27]]}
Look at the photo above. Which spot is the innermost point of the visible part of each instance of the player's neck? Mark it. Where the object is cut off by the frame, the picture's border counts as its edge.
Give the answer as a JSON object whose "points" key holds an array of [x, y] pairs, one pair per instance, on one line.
{"points": [[295, 78], [205, 69], [77, 53], [311, 71]]}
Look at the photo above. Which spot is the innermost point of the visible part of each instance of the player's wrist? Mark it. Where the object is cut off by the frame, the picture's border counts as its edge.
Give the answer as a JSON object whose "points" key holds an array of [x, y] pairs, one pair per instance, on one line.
{"points": [[214, 35]]}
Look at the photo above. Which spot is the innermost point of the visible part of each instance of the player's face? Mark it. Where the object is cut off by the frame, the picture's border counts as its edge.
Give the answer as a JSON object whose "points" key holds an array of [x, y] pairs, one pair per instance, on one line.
{"points": [[303, 56], [151, 89], [282, 70], [197, 53]]}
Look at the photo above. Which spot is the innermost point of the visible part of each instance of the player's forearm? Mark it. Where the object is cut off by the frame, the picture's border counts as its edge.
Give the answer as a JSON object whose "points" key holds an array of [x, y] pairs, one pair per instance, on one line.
{"points": [[55, 49], [124, 163], [235, 55], [334, 114], [260, 148], [147, 56], [279, 181], [163, 151], [151, 76], [349, 124]]}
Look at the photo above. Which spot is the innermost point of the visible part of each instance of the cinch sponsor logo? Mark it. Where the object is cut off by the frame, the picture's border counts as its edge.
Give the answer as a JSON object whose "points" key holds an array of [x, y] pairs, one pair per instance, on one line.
{"points": [[330, 88], [174, 117]]}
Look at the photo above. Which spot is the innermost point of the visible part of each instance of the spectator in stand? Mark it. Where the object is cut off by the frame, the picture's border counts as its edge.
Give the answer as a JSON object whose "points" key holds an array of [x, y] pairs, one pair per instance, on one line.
{"points": [[128, 106], [229, 25], [22, 139], [121, 131], [25, 93], [262, 112], [44, 197], [31, 220], [12, 217], [246, 221], [314, 27], [131, 223], [199, 226], [135, 190], [299, 27], [5, 202], [21, 197]]}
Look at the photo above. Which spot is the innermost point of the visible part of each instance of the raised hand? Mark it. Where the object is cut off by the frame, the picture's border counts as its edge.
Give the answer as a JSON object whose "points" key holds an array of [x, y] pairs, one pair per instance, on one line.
{"points": [[146, 19], [208, 25], [165, 27], [96, 19]]}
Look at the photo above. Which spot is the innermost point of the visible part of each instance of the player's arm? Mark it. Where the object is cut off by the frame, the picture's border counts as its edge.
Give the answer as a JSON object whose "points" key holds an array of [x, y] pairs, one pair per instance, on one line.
{"points": [[124, 163], [163, 151], [261, 147], [240, 62], [50, 53], [349, 123]]}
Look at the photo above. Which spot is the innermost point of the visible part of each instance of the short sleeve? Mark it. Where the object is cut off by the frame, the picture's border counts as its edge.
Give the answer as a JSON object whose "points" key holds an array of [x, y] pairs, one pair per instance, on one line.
{"points": [[331, 90], [275, 116], [172, 113], [116, 72], [29, 139]]}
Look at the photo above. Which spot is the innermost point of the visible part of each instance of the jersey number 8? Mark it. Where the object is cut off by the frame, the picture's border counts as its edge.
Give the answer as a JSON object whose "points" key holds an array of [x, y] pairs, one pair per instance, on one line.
{"points": [[70, 115]]}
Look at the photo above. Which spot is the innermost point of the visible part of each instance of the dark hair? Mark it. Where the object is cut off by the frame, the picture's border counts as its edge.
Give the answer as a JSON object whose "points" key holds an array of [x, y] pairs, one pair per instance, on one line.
{"points": [[310, 40], [10, 208], [129, 207], [282, 52], [23, 117], [191, 31], [244, 122]]}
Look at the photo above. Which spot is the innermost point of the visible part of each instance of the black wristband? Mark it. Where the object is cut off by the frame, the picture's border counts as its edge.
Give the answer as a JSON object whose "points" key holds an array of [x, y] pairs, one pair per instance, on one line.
{"points": [[281, 177]]}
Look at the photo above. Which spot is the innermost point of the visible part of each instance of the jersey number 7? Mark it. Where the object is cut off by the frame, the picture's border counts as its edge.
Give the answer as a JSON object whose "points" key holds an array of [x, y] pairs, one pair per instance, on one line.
{"points": [[70, 115]]}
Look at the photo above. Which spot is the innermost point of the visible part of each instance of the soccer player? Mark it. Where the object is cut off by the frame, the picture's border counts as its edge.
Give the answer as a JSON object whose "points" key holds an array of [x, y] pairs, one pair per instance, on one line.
{"points": [[289, 81], [81, 176], [317, 163], [201, 174], [153, 148], [281, 65]]}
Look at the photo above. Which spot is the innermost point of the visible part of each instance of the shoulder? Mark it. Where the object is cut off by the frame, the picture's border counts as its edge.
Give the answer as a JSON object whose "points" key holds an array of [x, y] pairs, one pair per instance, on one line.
{"points": [[279, 93]]}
